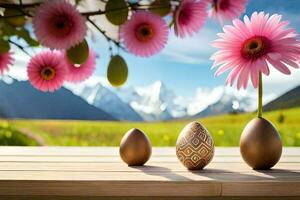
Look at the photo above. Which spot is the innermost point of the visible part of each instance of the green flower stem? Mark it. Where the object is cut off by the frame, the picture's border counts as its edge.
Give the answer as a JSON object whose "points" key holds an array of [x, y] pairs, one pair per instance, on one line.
{"points": [[260, 96]]}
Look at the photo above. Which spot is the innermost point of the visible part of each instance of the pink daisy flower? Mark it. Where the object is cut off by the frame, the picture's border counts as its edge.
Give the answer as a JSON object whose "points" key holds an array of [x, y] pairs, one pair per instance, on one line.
{"points": [[250, 47], [79, 73], [189, 17], [58, 25], [227, 9], [46, 71], [5, 60], [145, 33]]}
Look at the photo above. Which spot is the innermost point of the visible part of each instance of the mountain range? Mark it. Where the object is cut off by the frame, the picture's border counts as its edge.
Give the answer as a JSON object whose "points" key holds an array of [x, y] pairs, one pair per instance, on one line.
{"points": [[156, 102], [289, 99], [150, 103], [20, 100], [106, 100]]}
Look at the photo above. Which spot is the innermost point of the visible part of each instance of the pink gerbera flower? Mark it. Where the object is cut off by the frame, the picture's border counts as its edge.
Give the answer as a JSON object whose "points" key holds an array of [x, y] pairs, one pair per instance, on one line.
{"points": [[189, 17], [79, 73], [145, 33], [46, 71], [253, 46], [5, 60], [227, 9], [58, 25]]}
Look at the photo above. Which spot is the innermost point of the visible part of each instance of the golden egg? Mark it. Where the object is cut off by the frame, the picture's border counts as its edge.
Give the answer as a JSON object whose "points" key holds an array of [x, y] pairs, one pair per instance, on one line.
{"points": [[195, 147], [135, 148], [260, 144]]}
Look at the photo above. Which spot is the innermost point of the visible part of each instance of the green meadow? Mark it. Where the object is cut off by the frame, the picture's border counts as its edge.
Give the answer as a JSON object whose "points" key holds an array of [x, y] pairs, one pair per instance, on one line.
{"points": [[225, 129]]}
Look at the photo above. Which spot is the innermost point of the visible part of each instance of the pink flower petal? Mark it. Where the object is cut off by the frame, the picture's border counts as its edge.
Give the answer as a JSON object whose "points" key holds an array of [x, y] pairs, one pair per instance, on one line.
{"points": [[41, 61], [144, 46], [58, 25], [189, 17], [249, 47], [227, 9], [77, 74], [5, 60], [279, 66]]}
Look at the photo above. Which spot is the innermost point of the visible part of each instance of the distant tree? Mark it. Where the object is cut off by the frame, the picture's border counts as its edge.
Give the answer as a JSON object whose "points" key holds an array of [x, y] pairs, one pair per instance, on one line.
{"points": [[280, 118]]}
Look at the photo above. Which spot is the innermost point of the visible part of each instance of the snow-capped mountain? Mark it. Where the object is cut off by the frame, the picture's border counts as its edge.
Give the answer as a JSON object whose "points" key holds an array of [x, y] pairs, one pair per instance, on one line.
{"points": [[223, 100], [153, 102], [228, 102], [157, 102], [108, 101]]}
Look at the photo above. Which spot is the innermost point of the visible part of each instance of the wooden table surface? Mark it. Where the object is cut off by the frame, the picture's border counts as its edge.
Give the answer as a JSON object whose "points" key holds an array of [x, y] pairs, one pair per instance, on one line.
{"points": [[98, 173]]}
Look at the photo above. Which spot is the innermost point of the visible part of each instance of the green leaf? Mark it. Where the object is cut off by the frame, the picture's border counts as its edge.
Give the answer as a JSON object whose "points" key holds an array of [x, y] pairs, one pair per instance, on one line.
{"points": [[23, 33], [7, 29], [4, 46], [79, 53], [17, 21], [116, 11], [161, 7], [77, 1], [117, 71]]}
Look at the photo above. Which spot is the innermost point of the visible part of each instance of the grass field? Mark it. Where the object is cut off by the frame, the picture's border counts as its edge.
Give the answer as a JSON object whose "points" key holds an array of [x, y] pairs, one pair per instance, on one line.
{"points": [[225, 129]]}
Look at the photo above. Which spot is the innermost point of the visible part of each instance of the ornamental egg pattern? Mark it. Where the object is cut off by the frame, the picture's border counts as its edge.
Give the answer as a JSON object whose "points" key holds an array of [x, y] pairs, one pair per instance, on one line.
{"points": [[194, 147]]}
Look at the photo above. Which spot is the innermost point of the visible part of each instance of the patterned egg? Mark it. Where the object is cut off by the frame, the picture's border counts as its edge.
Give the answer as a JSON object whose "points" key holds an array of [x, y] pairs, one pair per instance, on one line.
{"points": [[195, 147]]}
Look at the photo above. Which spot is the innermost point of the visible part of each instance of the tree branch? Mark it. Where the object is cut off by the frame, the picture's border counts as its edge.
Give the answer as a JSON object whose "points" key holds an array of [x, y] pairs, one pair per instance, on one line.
{"points": [[132, 6], [18, 6], [21, 6], [109, 39], [20, 47]]}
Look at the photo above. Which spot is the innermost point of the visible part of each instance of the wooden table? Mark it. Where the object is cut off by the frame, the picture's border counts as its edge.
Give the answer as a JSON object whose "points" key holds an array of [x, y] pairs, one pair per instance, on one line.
{"points": [[63, 173]]}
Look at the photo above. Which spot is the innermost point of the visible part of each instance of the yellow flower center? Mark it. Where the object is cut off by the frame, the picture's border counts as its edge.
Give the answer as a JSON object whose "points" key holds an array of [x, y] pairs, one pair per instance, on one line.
{"points": [[48, 73], [144, 32], [255, 47]]}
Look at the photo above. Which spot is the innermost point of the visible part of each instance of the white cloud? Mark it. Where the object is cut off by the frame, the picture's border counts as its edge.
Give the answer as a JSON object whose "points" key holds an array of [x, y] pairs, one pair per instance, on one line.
{"points": [[279, 83], [203, 98], [18, 70], [191, 50], [274, 85]]}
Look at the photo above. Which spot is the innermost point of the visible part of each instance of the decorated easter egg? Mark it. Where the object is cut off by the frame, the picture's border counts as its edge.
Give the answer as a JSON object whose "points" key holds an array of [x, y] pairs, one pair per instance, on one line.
{"points": [[194, 147]]}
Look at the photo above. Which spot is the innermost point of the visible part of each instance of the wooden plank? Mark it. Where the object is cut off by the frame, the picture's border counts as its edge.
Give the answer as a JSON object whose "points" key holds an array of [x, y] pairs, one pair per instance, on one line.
{"points": [[140, 198], [117, 159], [149, 188], [259, 189], [109, 188], [143, 176], [114, 151], [88, 172], [149, 167]]}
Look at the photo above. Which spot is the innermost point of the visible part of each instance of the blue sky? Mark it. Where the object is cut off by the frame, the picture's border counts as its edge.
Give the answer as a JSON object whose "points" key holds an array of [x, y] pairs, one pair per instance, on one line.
{"points": [[184, 64]]}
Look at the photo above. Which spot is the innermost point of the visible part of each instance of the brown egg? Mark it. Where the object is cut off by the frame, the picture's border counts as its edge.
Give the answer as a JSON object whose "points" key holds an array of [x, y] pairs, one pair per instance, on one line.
{"points": [[135, 148], [260, 144], [194, 147]]}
